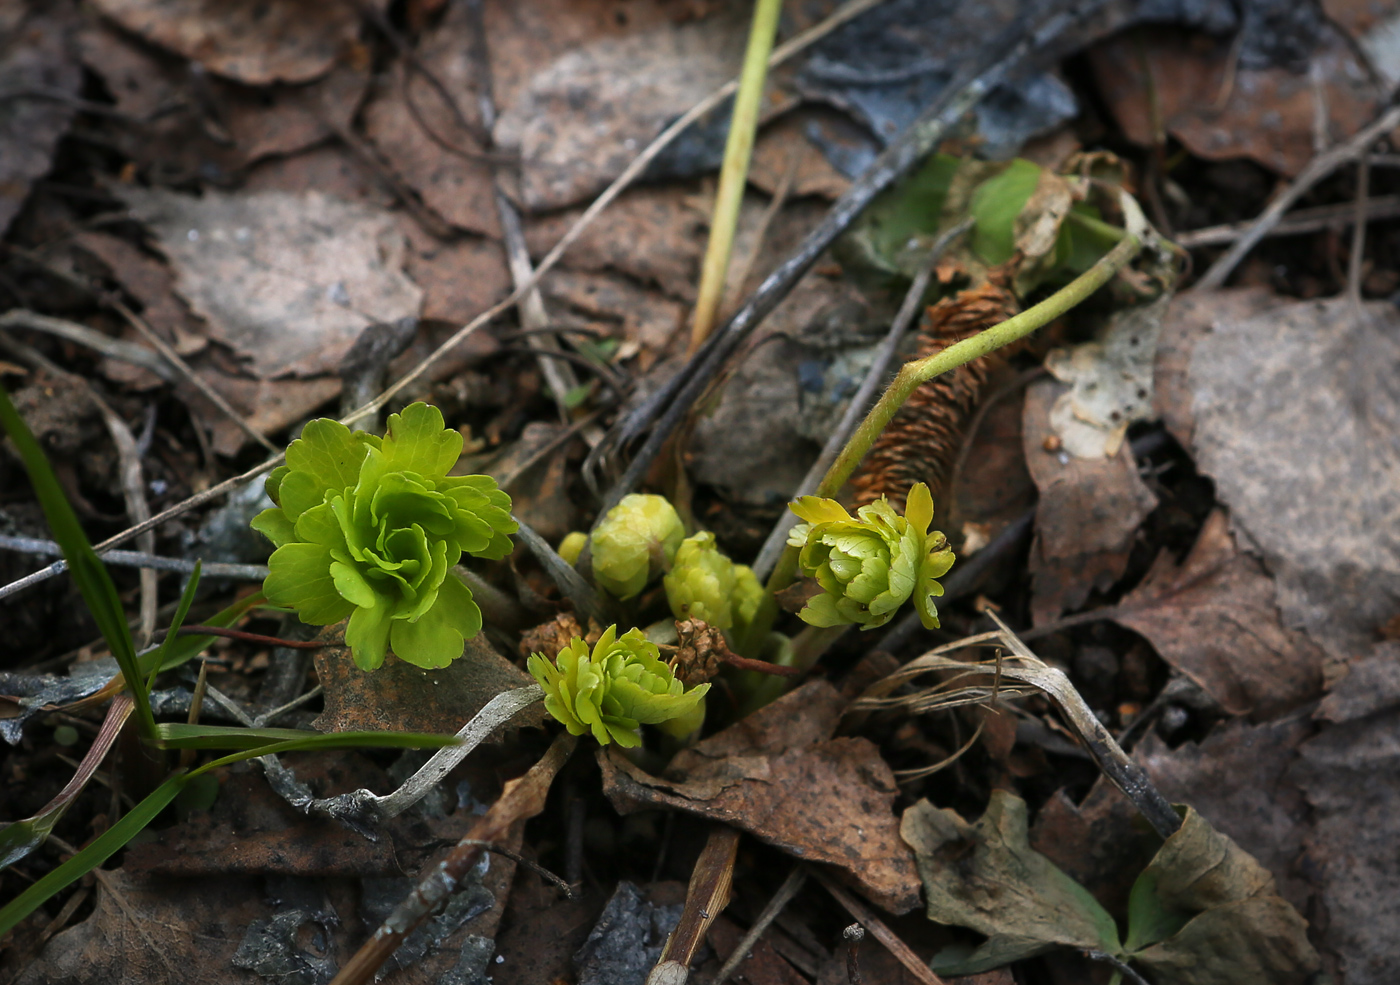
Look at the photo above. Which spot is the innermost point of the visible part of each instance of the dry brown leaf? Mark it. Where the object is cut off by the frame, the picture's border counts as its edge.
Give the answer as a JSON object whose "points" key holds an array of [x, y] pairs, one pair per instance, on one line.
{"points": [[256, 44], [780, 776], [267, 405], [461, 278], [1087, 516], [783, 145], [35, 53], [287, 282], [421, 136], [404, 698], [653, 234], [1214, 618], [1297, 419], [1268, 114], [584, 116]]}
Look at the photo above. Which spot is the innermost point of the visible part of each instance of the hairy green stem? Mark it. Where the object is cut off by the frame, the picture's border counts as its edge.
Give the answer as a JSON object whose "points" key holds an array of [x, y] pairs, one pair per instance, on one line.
{"points": [[734, 174], [920, 371]]}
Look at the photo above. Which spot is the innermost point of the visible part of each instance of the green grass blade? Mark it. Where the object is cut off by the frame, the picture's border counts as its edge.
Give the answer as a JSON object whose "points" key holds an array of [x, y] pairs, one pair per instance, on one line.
{"points": [[174, 735], [186, 648], [173, 633], [103, 847], [86, 567]]}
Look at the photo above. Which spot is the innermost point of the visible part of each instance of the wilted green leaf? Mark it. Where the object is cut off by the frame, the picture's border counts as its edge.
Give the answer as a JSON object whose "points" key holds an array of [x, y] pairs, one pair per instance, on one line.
{"points": [[1234, 927], [986, 877], [902, 217], [995, 206]]}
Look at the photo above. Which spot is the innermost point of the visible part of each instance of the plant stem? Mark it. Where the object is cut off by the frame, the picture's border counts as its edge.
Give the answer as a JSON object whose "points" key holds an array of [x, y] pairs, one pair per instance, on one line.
{"points": [[734, 174], [914, 374]]}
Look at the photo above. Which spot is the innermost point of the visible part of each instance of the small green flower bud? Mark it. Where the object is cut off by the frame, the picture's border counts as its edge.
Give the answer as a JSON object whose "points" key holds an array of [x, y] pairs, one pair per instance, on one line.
{"points": [[701, 582], [748, 596], [622, 685], [868, 567], [635, 542], [572, 546]]}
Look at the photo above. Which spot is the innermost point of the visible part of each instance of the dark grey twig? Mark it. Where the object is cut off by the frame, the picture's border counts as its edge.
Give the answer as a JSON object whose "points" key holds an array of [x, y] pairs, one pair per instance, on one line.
{"points": [[132, 559], [587, 602]]}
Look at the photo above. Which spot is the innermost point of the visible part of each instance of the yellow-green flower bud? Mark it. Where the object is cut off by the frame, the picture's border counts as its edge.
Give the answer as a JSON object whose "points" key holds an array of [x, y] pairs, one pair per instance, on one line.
{"points": [[572, 546], [748, 596], [622, 685], [701, 582], [635, 542], [868, 567]]}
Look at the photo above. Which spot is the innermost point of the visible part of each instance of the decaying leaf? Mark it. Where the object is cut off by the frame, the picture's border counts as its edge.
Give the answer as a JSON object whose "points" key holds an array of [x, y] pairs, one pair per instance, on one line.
{"points": [[1087, 516], [401, 697], [779, 775], [1203, 912], [987, 877], [34, 55], [1297, 419], [286, 281], [1233, 925], [1110, 379], [256, 44], [1214, 618]]}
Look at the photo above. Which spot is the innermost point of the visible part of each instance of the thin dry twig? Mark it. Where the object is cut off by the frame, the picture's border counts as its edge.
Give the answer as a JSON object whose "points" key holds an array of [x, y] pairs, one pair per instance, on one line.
{"points": [[138, 559], [1318, 168], [876, 926], [1296, 223], [794, 882], [1358, 232], [522, 798]]}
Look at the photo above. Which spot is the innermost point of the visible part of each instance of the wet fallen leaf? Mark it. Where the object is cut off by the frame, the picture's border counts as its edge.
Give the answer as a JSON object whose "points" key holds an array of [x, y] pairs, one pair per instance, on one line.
{"points": [[1214, 618], [785, 146], [1222, 109], [1095, 842], [35, 55], [460, 278], [1297, 419], [1088, 514], [267, 405], [780, 776], [405, 698], [993, 488], [286, 281], [278, 41]]}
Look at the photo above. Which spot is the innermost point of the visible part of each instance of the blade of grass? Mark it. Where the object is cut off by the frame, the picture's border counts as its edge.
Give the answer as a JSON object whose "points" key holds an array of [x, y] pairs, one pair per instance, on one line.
{"points": [[738, 151], [179, 735], [180, 612], [87, 569]]}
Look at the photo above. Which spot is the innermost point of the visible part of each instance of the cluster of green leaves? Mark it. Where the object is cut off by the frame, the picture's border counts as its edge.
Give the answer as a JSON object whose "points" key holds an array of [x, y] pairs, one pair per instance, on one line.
{"points": [[869, 565], [1203, 912], [616, 688], [370, 528], [138, 676]]}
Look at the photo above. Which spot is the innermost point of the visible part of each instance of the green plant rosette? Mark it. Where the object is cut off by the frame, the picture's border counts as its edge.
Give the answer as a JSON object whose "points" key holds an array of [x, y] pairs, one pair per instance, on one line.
{"points": [[869, 565], [611, 692], [371, 528]]}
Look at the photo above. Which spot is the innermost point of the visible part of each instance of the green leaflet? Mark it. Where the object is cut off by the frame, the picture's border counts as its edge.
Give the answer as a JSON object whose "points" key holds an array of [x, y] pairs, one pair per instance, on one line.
{"points": [[871, 564], [370, 528], [614, 690]]}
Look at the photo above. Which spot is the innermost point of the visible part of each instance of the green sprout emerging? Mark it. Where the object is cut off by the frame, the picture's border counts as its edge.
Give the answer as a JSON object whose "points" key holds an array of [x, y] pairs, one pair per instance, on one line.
{"points": [[370, 528], [704, 584], [621, 686], [634, 542], [868, 567]]}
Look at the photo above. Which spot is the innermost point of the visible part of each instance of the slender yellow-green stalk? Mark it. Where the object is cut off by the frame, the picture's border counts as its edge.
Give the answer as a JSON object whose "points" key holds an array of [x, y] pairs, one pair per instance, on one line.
{"points": [[735, 172], [920, 371]]}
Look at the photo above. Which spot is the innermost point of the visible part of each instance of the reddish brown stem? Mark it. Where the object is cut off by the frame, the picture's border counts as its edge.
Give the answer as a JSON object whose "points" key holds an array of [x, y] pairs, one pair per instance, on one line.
{"points": [[238, 634]]}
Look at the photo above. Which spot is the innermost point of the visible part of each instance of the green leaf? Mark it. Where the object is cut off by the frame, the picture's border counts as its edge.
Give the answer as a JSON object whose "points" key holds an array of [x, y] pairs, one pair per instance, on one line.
{"points": [[417, 440], [438, 636], [329, 453], [1149, 919], [87, 569], [996, 204], [899, 218], [173, 633], [986, 877], [299, 576], [275, 526]]}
